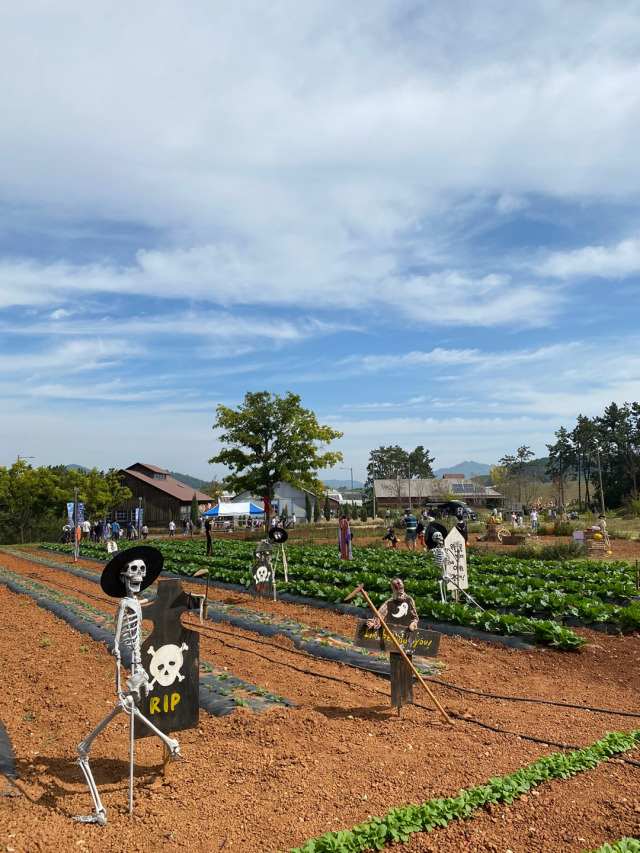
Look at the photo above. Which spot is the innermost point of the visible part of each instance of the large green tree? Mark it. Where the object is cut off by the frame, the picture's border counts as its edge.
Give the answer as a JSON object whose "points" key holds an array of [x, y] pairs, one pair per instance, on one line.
{"points": [[26, 498], [269, 439]]}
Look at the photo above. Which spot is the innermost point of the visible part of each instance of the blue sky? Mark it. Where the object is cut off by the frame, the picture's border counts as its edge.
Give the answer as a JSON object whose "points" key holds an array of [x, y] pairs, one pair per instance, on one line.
{"points": [[423, 218]]}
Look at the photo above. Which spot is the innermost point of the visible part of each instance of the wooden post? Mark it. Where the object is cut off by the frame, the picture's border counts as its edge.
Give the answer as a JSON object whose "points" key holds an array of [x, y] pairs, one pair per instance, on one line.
{"points": [[401, 651]]}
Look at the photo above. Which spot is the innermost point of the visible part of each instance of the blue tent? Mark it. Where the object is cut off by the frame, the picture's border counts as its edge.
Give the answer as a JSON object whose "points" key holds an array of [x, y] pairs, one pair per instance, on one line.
{"points": [[241, 508]]}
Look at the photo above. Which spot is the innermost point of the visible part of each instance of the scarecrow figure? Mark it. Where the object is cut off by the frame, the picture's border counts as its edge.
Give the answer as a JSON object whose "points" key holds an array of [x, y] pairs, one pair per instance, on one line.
{"points": [[400, 615], [124, 577]]}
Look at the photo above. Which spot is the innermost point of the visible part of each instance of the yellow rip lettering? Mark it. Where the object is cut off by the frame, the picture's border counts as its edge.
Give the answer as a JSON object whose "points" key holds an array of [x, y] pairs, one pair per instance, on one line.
{"points": [[154, 705]]}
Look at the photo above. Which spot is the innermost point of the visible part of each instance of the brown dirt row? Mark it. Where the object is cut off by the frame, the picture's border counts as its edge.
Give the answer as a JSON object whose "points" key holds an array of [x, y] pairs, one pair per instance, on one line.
{"points": [[266, 782]]}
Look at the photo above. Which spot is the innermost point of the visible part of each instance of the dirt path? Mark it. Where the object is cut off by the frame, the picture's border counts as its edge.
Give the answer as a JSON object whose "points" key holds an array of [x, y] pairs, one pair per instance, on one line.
{"points": [[266, 782]]}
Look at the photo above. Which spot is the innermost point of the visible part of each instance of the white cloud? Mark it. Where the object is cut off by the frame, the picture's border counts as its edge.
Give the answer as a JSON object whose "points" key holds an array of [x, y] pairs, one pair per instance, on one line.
{"points": [[60, 314], [620, 261]]}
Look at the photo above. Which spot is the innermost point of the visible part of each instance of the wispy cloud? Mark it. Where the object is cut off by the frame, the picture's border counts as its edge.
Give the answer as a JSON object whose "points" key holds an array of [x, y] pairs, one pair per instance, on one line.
{"points": [[619, 261]]}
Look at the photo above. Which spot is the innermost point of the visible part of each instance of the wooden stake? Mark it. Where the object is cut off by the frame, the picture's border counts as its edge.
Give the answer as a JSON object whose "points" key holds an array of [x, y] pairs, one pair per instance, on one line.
{"points": [[401, 651]]}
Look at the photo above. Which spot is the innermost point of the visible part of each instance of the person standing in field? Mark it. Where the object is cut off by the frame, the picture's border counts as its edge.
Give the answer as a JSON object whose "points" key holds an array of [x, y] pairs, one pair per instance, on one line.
{"points": [[411, 529]]}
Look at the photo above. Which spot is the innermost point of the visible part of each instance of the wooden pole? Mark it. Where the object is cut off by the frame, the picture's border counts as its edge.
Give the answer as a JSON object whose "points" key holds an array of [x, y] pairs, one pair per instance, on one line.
{"points": [[401, 651]]}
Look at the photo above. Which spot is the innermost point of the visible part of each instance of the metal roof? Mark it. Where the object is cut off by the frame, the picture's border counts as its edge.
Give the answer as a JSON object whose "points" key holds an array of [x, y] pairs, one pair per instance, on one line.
{"points": [[432, 489], [169, 485]]}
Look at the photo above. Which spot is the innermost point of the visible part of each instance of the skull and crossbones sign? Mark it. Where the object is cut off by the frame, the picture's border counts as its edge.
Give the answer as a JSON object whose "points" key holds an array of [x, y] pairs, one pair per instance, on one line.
{"points": [[166, 664]]}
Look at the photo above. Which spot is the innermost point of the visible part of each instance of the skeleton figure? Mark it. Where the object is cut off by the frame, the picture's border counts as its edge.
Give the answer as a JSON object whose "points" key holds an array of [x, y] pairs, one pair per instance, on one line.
{"points": [[439, 551], [128, 576]]}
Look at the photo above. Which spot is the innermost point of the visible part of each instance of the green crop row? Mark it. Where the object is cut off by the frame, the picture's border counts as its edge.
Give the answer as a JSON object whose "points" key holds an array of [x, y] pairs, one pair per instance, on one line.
{"points": [[517, 597], [398, 824], [625, 845]]}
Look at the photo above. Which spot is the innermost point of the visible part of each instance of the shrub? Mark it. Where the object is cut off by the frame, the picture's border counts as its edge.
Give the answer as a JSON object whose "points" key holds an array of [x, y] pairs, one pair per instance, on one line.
{"points": [[557, 551]]}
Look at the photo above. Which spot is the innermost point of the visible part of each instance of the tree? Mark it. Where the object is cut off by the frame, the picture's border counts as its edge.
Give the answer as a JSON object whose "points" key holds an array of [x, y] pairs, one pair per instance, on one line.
{"points": [[327, 508], [420, 462], [213, 489], [517, 468], [195, 509], [317, 512], [26, 498], [363, 513], [270, 439], [583, 438], [562, 459], [394, 463], [308, 510]]}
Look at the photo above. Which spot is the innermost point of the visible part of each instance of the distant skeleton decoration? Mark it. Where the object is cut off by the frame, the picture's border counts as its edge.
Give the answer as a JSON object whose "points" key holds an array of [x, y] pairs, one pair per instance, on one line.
{"points": [[125, 576]]}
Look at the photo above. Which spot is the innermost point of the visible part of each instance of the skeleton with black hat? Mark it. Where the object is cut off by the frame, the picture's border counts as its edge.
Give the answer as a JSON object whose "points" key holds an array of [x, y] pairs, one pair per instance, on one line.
{"points": [[124, 577]]}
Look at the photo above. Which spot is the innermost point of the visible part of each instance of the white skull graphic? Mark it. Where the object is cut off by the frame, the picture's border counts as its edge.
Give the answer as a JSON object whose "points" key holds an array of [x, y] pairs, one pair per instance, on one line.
{"points": [[132, 576], [262, 573], [166, 664]]}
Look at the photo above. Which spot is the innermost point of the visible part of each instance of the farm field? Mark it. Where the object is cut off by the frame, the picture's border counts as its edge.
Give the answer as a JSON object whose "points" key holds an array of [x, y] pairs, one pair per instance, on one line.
{"points": [[330, 760]]}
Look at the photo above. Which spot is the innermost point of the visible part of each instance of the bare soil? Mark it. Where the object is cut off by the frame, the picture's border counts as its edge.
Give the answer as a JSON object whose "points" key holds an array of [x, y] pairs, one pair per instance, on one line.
{"points": [[269, 781]]}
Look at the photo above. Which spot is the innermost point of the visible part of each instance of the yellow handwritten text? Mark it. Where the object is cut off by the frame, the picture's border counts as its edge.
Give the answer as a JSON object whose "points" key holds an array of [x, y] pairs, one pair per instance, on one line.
{"points": [[168, 703]]}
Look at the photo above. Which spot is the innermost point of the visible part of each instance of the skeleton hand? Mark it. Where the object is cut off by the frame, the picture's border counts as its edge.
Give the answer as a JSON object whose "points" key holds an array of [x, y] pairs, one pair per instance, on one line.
{"points": [[413, 625], [373, 623]]}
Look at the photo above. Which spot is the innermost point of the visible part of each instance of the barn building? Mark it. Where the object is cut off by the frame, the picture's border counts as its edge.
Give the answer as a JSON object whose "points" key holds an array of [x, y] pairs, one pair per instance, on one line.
{"points": [[161, 496]]}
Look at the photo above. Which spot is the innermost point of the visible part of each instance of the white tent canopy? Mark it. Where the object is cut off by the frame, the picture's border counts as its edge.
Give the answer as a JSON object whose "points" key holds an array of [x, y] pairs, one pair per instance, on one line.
{"points": [[240, 508]]}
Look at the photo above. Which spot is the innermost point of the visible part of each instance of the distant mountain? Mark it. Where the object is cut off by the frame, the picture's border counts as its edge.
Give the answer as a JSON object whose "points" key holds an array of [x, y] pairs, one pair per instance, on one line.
{"points": [[195, 482], [80, 468], [469, 469], [344, 484]]}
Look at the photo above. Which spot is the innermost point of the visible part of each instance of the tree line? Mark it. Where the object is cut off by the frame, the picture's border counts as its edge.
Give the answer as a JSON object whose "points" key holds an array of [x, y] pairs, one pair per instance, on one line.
{"points": [[602, 453], [34, 500]]}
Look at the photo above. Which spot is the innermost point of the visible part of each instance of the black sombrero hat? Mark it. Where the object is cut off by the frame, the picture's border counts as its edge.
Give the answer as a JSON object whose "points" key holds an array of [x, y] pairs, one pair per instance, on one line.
{"points": [[278, 534], [434, 527], [110, 579]]}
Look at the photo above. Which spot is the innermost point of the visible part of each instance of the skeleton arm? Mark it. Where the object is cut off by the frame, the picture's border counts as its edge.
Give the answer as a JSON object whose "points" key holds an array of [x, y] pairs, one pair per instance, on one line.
{"points": [[116, 641]]}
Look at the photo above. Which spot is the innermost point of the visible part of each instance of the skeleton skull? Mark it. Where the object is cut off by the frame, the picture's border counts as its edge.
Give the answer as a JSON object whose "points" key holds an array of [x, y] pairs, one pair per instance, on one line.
{"points": [[133, 575], [166, 664], [437, 539]]}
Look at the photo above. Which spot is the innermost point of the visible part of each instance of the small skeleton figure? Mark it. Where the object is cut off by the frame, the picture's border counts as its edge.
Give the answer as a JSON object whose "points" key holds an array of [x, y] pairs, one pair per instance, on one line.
{"points": [[125, 576], [439, 551]]}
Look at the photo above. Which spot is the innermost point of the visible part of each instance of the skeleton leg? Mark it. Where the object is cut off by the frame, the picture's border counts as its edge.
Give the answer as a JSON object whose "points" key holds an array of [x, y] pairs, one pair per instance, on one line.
{"points": [[171, 743], [84, 748]]}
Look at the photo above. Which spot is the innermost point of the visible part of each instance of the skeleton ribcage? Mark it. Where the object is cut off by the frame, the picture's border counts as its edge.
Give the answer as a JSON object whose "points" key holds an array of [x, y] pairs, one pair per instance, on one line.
{"points": [[131, 636], [439, 557]]}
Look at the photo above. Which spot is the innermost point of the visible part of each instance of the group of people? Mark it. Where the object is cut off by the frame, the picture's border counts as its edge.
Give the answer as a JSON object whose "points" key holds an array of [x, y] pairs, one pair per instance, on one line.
{"points": [[101, 532], [414, 531]]}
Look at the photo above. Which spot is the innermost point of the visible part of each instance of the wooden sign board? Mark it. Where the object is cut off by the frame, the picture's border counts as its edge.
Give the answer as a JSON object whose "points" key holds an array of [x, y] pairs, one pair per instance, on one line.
{"points": [[262, 572], [171, 656], [419, 642], [456, 551]]}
